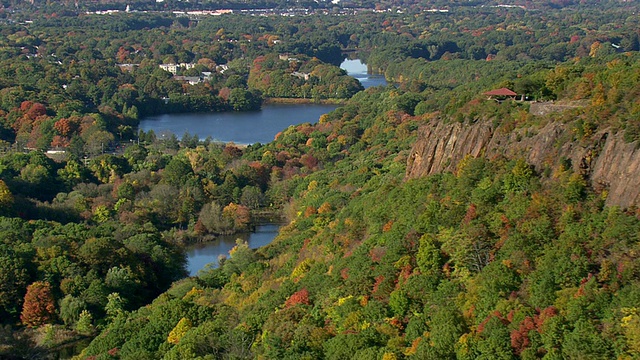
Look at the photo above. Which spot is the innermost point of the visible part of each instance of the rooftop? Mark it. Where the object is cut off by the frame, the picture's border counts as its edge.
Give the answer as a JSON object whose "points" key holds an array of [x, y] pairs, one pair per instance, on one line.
{"points": [[500, 92]]}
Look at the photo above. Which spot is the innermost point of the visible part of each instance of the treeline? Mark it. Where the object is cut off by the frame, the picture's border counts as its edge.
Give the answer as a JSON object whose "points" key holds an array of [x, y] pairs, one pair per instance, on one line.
{"points": [[296, 77], [236, 59], [60, 7], [111, 77]]}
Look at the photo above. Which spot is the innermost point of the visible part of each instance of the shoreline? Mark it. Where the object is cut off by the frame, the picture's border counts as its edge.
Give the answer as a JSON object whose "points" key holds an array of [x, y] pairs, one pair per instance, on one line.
{"points": [[304, 101]]}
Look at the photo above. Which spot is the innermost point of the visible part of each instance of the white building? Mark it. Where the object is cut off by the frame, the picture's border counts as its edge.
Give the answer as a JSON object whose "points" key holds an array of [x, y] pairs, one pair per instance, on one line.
{"points": [[173, 68]]}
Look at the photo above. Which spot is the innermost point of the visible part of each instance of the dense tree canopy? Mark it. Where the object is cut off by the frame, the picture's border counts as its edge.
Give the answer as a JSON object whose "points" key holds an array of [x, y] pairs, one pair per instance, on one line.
{"points": [[494, 259]]}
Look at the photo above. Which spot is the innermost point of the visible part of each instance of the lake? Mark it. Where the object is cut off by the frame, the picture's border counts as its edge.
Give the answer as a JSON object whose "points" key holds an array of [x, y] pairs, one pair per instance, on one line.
{"points": [[247, 127], [199, 255], [252, 126]]}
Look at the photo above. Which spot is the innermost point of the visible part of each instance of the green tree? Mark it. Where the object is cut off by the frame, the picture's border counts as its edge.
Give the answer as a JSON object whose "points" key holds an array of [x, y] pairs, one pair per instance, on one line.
{"points": [[73, 173], [70, 309], [14, 278], [135, 154], [241, 257], [126, 191], [177, 172], [244, 100], [518, 179], [115, 306], [84, 325]]}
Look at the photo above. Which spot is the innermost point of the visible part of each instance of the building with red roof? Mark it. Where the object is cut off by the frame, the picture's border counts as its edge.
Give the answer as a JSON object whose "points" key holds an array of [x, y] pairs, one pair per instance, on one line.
{"points": [[501, 94]]}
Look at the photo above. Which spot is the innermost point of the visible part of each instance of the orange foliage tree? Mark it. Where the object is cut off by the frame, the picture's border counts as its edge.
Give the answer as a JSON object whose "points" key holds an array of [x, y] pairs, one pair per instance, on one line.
{"points": [[299, 297], [239, 213], [39, 304]]}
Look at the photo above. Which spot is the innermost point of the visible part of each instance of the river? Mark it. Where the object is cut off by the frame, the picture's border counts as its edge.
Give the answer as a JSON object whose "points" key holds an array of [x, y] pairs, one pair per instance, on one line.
{"points": [[252, 126], [199, 255], [358, 70], [246, 128]]}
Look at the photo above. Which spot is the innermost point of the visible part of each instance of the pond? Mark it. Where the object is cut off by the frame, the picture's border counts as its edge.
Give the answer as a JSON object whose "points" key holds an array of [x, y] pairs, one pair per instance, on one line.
{"points": [[199, 255]]}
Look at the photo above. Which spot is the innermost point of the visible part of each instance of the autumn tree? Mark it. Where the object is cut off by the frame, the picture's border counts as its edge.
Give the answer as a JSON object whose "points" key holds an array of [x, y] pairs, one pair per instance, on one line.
{"points": [[299, 297], [6, 198], [179, 331], [39, 306], [240, 215]]}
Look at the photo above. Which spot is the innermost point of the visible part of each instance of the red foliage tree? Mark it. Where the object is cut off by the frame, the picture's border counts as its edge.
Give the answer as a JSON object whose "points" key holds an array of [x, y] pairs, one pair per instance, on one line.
{"points": [[199, 228], [224, 93], [122, 54], [299, 297], [63, 127], [25, 105], [257, 63], [470, 215], [376, 285], [39, 305], [520, 337], [377, 254], [309, 211], [35, 111], [344, 273], [232, 151], [260, 172], [240, 214], [59, 142]]}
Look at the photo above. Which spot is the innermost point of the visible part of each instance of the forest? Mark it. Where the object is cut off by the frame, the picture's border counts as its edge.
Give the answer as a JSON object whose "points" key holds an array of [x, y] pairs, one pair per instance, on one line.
{"points": [[496, 259]]}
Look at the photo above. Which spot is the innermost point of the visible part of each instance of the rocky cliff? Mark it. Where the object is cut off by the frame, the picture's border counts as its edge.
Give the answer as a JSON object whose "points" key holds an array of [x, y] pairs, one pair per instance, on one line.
{"points": [[603, 158]]}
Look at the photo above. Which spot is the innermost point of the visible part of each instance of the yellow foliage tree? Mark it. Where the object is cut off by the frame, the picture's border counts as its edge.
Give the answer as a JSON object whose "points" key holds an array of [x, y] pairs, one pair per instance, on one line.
{"points": [[325, 208], [595, 47], [6, 198], [389, 356], [179, 331], [630, 324]]}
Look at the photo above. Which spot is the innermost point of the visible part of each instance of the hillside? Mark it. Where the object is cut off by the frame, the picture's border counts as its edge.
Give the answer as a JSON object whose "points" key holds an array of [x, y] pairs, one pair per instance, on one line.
{"points": [[424, 220], [505, 254]]}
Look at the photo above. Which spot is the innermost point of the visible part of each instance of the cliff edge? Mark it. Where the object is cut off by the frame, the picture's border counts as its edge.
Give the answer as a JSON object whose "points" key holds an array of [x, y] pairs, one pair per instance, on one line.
{"points": [[603, 158]]}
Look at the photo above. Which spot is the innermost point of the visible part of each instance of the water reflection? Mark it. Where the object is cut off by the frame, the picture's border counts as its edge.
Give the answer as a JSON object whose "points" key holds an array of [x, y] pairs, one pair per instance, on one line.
{"points": [[199, 255], [358, 70], [248, 127]]}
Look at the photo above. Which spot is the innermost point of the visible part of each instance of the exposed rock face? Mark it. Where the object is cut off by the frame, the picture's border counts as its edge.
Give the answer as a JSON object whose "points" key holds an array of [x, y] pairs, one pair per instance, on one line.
{"points": [[618, 167], [604, 159]]}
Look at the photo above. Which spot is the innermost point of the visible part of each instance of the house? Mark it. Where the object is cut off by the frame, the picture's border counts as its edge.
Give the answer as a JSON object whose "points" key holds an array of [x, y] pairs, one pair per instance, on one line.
{"points": [[192, 80], [127, 67], [173, 68], [287, 57], [301, 75], [501, 94]]}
